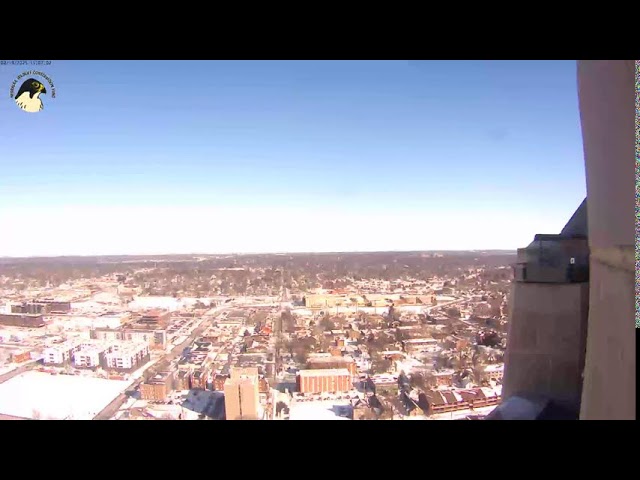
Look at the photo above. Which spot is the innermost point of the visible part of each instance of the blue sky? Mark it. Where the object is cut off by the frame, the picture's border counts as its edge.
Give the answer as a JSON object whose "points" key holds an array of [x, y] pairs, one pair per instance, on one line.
{"points": [[233, 156]]}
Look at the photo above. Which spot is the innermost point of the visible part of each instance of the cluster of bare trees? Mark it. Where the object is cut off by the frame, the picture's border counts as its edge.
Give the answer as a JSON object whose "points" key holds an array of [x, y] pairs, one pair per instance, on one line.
{"points": [[264, 273], [300, 348], [379, 363]]}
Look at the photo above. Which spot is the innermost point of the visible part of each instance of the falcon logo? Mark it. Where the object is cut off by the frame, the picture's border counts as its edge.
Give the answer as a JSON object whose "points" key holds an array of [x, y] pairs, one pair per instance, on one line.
{"points": [[29, 95]]}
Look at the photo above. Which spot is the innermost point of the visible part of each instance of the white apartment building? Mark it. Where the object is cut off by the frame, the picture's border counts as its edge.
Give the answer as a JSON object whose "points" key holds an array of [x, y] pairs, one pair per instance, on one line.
{"points": [[60, 353], [157, 338], [126, 356], [89, 356]]}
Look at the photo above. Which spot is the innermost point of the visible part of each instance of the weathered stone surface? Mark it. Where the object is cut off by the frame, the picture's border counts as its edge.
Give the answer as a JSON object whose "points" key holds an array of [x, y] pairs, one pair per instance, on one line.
{"points": [[547, 330], [610, 369], [607, 108]]}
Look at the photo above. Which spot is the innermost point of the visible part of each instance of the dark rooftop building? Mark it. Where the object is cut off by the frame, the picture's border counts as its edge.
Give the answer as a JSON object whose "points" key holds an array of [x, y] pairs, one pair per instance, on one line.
{"points": [[562, 258], [25, 320]]}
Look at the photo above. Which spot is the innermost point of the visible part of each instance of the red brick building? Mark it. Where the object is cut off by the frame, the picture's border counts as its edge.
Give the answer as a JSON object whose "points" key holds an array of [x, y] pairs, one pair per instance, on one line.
{"points": [[441, 401], [218, 382], [183, 380], [157, 388], [20, 356], [155, 318], [325, 381], [263, 385], [199, 379]]}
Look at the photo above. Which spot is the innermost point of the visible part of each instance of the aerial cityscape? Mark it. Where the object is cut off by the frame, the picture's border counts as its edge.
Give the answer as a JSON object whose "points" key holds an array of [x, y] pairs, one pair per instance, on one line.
{"points": [[270, 337], [317, 240]]}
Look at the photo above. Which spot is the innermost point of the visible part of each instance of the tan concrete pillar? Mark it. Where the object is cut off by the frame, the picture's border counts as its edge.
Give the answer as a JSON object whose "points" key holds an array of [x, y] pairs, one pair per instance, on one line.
{"points": [[607, 109]]}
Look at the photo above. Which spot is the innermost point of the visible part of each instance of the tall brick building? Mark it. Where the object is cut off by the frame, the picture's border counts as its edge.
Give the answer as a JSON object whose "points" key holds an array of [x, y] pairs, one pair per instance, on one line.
{"points": [[157, 388], [241, 395]]}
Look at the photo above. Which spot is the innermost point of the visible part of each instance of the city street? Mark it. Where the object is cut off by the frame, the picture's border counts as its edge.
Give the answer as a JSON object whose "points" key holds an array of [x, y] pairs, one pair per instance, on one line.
{"points": [[111, 409]]}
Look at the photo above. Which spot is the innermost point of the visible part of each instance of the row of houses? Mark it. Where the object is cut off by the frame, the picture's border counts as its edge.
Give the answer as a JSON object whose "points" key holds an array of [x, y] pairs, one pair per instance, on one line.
{"points": [[443, 401], [338, 299], [416, 403]]}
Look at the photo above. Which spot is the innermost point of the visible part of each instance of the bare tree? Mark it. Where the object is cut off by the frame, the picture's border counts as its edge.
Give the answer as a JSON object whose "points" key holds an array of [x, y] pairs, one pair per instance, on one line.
{"points": [[380, 364], [326, 324], [418, 381], [35, 414]]}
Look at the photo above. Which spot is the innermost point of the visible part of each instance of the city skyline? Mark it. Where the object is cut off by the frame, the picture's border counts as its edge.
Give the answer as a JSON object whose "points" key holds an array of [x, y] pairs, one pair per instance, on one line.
{"points": [[233, 157]]}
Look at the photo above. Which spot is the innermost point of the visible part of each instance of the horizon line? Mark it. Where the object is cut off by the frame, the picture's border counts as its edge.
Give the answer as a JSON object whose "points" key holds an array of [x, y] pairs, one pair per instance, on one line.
{"points": [[328, 252]]}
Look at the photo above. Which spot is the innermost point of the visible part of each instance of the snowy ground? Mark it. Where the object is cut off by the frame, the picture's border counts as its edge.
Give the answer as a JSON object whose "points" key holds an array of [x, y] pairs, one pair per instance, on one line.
{"points": [[7, 367], [44, 396], [329, 410]]}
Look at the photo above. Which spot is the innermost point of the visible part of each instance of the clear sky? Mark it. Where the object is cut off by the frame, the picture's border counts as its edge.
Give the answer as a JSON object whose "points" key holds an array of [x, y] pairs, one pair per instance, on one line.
{"points": [[270, 156]]}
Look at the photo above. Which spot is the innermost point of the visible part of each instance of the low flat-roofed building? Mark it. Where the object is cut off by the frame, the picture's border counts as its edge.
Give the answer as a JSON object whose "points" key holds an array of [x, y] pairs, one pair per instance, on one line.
{"points": [[420, 344], [493, 373], [155, 318], [20, 356], [155, 339], [24, 320], [333, 362], [393, 354], [383, 384], [410, 365], [450, 400], [41, 307], [319, 355], [55, 306], [319, 301], [443, 377], [229, 323], [29, 308], [325, 380], [112, 319]]}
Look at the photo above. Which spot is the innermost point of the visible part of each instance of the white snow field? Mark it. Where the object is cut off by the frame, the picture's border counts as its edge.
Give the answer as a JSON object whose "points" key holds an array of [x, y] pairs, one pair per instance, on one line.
{"points": [[43, 396]]}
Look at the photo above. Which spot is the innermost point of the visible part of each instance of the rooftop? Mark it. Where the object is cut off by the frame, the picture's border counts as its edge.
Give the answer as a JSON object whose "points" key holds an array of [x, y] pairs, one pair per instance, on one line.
{"points": [[494, 368], [324, 372], [330, 359]]}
